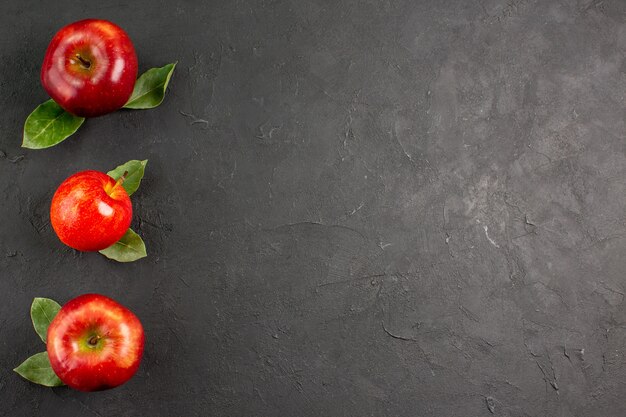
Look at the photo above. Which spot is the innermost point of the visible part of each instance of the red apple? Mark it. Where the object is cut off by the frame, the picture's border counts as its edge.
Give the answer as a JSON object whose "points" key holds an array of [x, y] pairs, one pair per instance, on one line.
{"points": [[90, 211], [94, 343], [90, 68]]}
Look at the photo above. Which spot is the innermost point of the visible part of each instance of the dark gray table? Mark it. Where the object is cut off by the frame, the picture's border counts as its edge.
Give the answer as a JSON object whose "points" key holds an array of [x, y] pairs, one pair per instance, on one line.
{"points": [[352, 208]]}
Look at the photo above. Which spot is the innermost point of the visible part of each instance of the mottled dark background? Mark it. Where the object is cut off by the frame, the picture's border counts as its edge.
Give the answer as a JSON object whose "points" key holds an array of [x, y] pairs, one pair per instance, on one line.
{"points": [[352, 208]]}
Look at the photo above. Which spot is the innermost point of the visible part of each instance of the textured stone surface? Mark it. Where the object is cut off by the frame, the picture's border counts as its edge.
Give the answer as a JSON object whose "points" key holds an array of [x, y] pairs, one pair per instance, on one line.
{"points": [[352, 208]]}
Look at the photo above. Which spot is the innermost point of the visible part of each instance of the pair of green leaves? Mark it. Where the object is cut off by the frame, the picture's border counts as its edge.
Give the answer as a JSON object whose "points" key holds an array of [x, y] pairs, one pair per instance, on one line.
{"points": [[37, 368], [130, 247], [49, 124]]}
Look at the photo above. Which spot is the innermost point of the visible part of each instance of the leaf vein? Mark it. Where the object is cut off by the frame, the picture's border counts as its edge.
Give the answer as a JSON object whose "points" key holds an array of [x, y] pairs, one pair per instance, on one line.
{"points": [[132, 100], [46, 127]]}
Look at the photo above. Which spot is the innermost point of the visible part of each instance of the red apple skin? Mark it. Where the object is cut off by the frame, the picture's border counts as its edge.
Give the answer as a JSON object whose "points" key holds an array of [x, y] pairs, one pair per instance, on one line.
{"points": [[95, 343], [90, 211], [90, 68]]}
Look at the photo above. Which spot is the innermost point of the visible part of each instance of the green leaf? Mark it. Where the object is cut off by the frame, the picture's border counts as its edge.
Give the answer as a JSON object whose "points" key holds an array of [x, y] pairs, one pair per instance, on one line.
{"points": [[37, 369], [48, 125], [42, 312], [150, 88], [134, 169], [128, 249]]}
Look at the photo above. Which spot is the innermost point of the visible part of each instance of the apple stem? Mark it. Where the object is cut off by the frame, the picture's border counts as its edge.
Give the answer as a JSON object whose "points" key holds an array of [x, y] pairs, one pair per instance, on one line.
{"points": [[121, 179], [119, 182], [83, 61], [93, 340]]}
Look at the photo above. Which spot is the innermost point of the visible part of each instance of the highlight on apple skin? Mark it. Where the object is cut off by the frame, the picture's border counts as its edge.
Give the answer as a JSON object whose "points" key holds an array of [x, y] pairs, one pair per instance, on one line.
{"points": [[95, 343], [90, 68], [90, 211]]}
